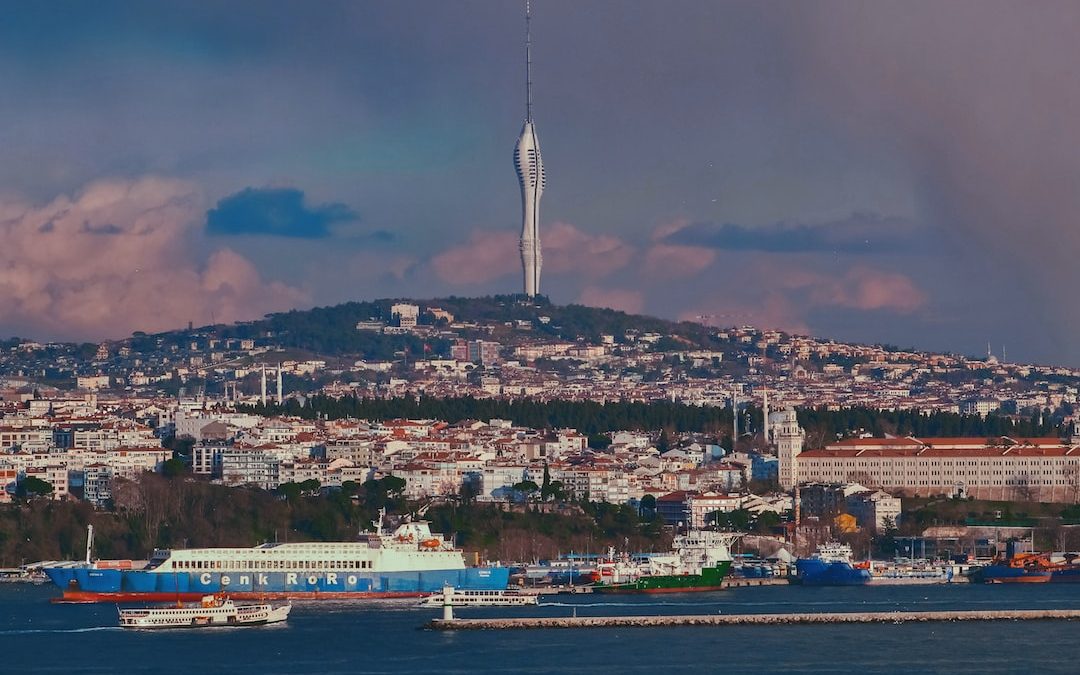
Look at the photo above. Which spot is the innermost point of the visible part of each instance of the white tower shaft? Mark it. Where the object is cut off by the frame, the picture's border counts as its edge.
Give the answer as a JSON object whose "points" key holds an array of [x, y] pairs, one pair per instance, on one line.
{"points": [[530, 172], [262, 397], [280, 400]]}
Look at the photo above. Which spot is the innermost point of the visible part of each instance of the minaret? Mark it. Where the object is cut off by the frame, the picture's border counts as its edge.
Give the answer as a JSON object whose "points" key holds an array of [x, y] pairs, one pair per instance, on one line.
{"points": [[279, 398], [262, 397], [530, 171], [765, 414]]}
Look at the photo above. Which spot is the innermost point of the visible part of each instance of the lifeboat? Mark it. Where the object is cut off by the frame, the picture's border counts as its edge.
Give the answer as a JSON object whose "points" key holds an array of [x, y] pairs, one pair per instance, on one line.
{"points": [[431, 543]]}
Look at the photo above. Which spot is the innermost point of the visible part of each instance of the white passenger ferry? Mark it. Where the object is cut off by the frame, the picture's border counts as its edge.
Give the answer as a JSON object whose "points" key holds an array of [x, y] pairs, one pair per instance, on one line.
{"points": [[213, 610], [474, 598]]}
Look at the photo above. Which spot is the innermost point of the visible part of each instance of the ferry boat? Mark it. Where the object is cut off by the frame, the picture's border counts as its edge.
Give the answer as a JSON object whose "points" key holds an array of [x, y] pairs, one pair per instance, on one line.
{"points": [[699, 562], [213, 610], [409, 561], [473, 598]]}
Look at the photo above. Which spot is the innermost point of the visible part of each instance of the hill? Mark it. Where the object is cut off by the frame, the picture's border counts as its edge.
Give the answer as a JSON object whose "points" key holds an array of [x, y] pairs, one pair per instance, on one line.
{"points": [[332, 331]]}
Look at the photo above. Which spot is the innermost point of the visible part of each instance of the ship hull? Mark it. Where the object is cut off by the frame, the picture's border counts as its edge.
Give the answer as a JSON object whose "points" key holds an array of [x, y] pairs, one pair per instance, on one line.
{"points": [[83, 584], [1003, 574], [710, 579], [813, 572]]}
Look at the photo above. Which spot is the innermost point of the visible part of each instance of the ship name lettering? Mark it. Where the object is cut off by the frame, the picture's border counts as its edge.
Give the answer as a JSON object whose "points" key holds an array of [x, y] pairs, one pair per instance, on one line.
{"points": [[263, 579], [312, 579], [225, 580], [331, 578], [290, 578], [352, 580], [245, 580], [204, 578]]}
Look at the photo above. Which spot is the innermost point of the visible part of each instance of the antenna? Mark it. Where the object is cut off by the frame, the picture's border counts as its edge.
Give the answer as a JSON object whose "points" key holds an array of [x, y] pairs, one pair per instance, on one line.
{"points": [[528, 63]]}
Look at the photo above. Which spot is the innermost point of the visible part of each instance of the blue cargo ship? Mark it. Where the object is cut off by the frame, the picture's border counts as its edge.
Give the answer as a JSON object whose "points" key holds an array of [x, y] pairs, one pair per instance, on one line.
{"points": [[408, 562], [830, 566]]}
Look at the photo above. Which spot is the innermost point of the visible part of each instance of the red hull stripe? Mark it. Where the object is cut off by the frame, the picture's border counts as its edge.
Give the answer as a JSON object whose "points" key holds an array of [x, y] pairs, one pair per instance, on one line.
{"points": [[85, 596]]}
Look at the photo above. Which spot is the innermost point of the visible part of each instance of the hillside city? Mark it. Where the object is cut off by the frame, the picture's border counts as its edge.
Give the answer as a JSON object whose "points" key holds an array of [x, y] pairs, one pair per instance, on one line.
{"points": [[78, 421]]}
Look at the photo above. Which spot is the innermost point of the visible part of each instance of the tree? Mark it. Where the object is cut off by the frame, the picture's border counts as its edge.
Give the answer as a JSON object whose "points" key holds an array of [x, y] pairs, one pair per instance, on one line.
{"points": [[599, 441], [525, 488], [647, 506], [545, 487], [174, 467], [32, 486]]}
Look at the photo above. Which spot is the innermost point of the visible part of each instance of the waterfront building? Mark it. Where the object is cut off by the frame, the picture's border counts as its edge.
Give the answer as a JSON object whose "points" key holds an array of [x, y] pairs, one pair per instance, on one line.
{"points": [[1024, 469]]}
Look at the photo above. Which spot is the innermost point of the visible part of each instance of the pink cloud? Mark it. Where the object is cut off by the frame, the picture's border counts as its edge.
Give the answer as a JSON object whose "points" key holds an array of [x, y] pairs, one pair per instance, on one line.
{"points": [[783, 296], [631, 302], [492, 254], [668, 261], [489, 254], [665, 230], [568, 250], [116, 258]]}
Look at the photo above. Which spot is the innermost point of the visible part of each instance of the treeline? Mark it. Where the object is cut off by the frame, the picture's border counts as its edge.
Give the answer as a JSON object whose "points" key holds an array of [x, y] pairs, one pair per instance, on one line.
{"points": [[588, 417], [822, 425], [826, 425], [159, 512]]}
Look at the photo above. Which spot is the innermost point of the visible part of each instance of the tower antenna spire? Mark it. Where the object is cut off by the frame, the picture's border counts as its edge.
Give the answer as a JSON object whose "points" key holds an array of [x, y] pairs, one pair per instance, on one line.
{"points": [[528, 63]]}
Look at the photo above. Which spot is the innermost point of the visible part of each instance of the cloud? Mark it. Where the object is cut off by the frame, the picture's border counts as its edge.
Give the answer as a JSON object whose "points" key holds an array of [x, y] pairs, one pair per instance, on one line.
{"points": [[567, 250], [486, 256], [675, 262], [788, 295], [861, 232], [622, 299], [276, 212], [117, 258]]}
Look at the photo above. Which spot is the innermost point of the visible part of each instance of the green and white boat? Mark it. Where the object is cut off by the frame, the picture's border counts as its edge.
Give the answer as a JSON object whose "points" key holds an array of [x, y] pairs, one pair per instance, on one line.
{"points": [[700, 562]]}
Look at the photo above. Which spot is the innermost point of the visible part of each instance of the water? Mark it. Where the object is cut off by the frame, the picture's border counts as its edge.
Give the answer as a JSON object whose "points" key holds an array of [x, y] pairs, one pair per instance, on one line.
{"points": [[386, 637]]}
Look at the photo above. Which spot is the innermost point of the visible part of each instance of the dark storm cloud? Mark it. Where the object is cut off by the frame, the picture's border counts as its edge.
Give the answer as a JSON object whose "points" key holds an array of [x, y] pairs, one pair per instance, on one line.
{"points": [[860, 233], [278, 212]]}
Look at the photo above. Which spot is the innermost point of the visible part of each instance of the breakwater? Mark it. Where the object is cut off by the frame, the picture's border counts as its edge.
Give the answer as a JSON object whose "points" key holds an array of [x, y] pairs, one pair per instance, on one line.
{"points": [[753, 619]]}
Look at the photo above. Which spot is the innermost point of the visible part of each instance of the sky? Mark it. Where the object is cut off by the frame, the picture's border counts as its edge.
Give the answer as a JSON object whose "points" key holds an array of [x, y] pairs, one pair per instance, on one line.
{"points": [[888, 172]]}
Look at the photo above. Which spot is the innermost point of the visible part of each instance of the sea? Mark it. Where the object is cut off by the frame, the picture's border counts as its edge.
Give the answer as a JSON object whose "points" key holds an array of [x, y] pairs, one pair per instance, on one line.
{"points": [[39, 636]]}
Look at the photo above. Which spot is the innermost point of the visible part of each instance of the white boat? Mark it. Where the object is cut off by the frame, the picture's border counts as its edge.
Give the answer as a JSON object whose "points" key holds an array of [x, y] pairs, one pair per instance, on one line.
{"points": [[473, 598], [213, 610], [913, 572]]}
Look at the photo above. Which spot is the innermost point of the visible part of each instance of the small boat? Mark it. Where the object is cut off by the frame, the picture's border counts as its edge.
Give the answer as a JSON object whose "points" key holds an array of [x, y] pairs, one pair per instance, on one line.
{"points": [[213, 610], [473, 598]]}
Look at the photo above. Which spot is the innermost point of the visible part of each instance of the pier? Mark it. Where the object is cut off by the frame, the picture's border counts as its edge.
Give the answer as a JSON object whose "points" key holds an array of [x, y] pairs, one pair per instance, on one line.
{"points": [[753, 619]]}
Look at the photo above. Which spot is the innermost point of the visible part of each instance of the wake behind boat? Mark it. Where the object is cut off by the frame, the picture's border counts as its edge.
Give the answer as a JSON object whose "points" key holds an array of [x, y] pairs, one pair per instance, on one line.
{"points": [[213, 610]]}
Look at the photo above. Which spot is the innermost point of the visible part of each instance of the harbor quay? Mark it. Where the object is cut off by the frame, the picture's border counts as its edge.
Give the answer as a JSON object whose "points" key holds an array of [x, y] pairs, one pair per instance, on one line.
{"points": [[752, 619]]}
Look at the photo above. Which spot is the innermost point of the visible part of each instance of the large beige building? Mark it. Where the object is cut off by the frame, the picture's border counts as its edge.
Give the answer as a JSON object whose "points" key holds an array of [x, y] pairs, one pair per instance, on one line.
{"points": [[1030, 469]]}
